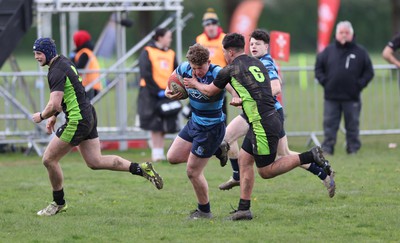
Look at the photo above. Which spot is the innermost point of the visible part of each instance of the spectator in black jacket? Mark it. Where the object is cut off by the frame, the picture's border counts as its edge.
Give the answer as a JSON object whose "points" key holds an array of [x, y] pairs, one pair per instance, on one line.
{"points": [[344, 69]]}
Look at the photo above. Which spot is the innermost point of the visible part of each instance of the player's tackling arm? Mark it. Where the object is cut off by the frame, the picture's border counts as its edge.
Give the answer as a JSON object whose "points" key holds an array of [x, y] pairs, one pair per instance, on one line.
{"points": [[219, 83], [206, 89]]}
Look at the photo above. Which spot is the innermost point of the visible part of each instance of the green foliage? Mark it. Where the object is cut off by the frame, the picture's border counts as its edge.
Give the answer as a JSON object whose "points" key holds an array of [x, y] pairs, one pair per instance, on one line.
{"points": [[371, 21], [109, 206]]}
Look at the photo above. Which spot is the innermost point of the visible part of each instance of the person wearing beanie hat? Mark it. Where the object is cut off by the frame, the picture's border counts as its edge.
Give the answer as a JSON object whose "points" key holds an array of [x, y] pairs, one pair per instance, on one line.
{"points": [[81, 37], [210, 17], [212, 37], [85, 59], [67, 95], [47, 46]]}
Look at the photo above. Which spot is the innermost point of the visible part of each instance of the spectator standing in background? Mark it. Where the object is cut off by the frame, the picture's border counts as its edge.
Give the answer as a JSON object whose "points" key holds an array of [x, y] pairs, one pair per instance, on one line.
{"points": [[344, 69], [212, 37], [389, 50], [85, 59], [156, 62]]}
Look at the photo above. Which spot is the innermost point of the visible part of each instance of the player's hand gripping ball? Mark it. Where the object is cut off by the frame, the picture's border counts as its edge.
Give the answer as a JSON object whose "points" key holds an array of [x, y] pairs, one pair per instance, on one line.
{"points": [[175, 83]]}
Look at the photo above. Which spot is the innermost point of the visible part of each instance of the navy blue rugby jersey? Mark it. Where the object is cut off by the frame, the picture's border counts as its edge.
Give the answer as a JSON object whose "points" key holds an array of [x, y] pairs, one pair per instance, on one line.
{"points": [[272, 73]]}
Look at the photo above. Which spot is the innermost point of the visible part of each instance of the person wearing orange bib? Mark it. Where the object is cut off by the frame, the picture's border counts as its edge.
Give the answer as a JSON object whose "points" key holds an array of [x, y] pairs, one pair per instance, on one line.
{"points": [[156, 62], [212, 36], [86, 60]]}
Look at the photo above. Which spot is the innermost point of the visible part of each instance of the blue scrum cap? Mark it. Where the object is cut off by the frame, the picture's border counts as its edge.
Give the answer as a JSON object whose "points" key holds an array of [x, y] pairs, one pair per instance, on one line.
{"points": [[47, 46]]}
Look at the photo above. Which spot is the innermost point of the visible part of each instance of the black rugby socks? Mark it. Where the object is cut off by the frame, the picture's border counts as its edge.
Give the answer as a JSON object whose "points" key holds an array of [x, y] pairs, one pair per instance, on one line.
{"points": [[204, 207], [58, 197], [244, 205], [306, 157], [235, 168], [135, 169]]}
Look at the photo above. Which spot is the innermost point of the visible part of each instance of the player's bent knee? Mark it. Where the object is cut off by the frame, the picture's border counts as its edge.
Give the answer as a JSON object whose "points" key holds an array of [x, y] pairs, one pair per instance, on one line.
{"points": [[172, 160], [93, 164], [92, 167], [191, 173], [266, 174], [175, 159], [46, 161]]}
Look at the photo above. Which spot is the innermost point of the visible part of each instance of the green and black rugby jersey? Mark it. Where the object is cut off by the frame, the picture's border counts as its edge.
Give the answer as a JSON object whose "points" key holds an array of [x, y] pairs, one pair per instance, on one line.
{"points": [[64, 77], [250, 79]]}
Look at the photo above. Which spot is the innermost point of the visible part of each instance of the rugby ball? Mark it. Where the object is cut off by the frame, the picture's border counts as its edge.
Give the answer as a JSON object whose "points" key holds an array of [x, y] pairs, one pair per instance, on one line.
{"points": [[175, 83]]}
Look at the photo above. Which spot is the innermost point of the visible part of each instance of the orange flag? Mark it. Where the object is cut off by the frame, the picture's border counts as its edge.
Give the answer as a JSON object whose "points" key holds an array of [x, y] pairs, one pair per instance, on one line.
{"points": [[327, 13], [244, 19]]}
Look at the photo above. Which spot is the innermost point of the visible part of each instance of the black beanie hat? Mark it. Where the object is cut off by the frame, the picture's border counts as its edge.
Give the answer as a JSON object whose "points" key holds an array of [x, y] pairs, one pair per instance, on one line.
{"points": [[47, 46]]}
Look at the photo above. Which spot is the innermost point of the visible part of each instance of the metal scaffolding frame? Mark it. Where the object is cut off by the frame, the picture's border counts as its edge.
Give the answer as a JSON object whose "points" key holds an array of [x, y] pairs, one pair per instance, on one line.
{"points": [[107, 6], [45, 9]]}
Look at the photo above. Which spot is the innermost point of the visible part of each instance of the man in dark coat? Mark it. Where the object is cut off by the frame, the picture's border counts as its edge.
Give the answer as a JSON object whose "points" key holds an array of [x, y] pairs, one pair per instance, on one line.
{"points": [[344, 69]]}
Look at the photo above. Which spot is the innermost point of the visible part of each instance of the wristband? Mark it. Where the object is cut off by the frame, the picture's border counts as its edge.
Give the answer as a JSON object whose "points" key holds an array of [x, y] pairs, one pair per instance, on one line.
{"points": [[56, 114], [41, 117]]}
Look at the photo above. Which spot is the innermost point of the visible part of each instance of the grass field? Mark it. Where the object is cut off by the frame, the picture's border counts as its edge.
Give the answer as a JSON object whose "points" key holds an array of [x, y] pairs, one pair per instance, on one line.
{"points": [[109, 206]]}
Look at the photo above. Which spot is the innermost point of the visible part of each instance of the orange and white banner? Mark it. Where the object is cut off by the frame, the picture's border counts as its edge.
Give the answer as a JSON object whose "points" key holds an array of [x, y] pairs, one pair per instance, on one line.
{"points": [[327, 13], [280, 45], [244, 19]]}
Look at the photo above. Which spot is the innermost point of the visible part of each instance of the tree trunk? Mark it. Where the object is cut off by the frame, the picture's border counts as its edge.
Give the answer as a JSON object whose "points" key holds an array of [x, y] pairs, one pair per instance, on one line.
{"points": [[145, 25], [230, 6], [395, 16]]}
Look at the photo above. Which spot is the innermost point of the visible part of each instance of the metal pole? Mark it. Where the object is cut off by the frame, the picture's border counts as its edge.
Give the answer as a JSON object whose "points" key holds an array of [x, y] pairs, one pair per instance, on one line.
{"points": [[73, 27], [121, 85], [123, 59], [44, 19], [63, 34], [178, 24]]}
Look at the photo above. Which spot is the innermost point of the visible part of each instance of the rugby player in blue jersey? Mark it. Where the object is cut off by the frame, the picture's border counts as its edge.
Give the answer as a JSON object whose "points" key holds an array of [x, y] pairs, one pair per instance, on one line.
{"points": [[249, 78], [204, 131]]}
